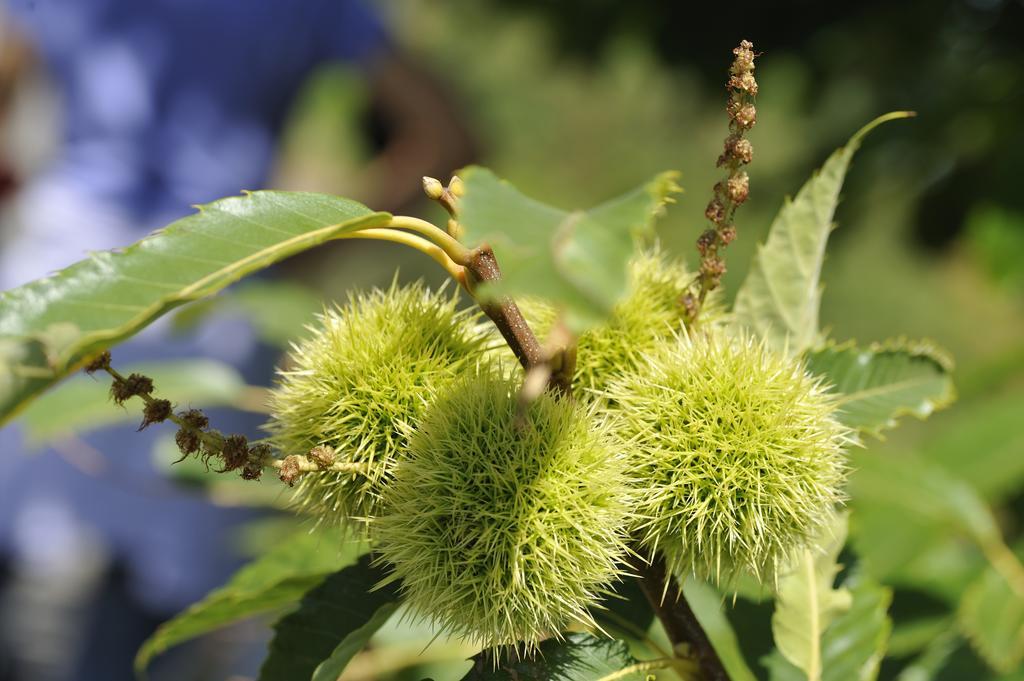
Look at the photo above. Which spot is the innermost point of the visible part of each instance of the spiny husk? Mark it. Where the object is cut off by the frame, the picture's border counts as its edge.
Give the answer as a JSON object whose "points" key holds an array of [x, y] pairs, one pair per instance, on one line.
{"points": [[738, 452], [503, 530], [650, 314], [360, 381]]}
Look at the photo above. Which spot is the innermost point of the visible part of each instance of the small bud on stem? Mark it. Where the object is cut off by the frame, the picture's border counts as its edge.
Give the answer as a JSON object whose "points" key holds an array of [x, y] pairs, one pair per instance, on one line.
{"points": [[235, 452], [446, 196], [294, 466], [433, 188], [156, 411], [290, 470], [457, 187], [136, 385], [98, 363], [322, 456]]}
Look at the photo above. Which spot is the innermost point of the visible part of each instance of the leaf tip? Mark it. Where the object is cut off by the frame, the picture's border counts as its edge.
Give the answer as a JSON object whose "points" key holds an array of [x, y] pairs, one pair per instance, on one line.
{"points": [[884, 118]]}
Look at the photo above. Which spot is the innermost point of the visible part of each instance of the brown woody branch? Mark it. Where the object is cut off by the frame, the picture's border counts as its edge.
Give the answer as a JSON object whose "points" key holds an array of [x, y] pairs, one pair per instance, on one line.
{"points": [[483, 267], [681, 625], [544, 366]]}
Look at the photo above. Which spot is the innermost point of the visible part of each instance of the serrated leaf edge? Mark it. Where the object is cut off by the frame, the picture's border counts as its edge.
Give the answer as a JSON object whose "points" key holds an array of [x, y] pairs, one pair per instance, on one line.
{"points": [[977, 642], [917, 348]]}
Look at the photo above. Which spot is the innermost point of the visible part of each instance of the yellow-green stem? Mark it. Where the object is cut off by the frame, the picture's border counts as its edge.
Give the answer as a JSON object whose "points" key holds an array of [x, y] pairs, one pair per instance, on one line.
{"points": [[419, 243], [456, 251]]}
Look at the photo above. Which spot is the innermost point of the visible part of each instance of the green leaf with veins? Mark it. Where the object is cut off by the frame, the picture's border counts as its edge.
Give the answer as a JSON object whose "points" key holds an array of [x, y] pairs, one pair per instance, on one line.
{"points": [[982, 443], [914, 489], [577, 260], [275, 580], [806, 602], [882, 382], [936, 513], [853, 645], [333, 622], [51, 326], [780, 298]]}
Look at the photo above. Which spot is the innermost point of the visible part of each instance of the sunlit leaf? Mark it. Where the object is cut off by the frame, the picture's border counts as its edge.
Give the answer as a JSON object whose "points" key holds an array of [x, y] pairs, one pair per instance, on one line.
{"points": [[332, 623], [910, 519], [853, 645], [577, 260], [882, 382], [921, 490], [780, 298], [275, 580], [915, 552], [50, 326], [806, 603]]}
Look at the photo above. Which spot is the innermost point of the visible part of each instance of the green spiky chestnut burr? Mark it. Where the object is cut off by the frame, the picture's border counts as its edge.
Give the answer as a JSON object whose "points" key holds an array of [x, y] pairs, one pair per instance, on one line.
{"points": [[359, 382], [738, 453], [650, 314], [503, 528]]}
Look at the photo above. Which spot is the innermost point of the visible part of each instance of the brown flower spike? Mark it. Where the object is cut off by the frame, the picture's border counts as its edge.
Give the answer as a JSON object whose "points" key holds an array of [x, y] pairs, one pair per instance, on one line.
{"points": [[194, 437], [735, 189]]}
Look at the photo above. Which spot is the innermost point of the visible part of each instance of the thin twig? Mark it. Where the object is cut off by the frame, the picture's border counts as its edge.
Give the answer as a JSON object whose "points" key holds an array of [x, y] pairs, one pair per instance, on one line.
{"points": [[304, 465], [505, 314], [483, 267], [542, 367]]}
